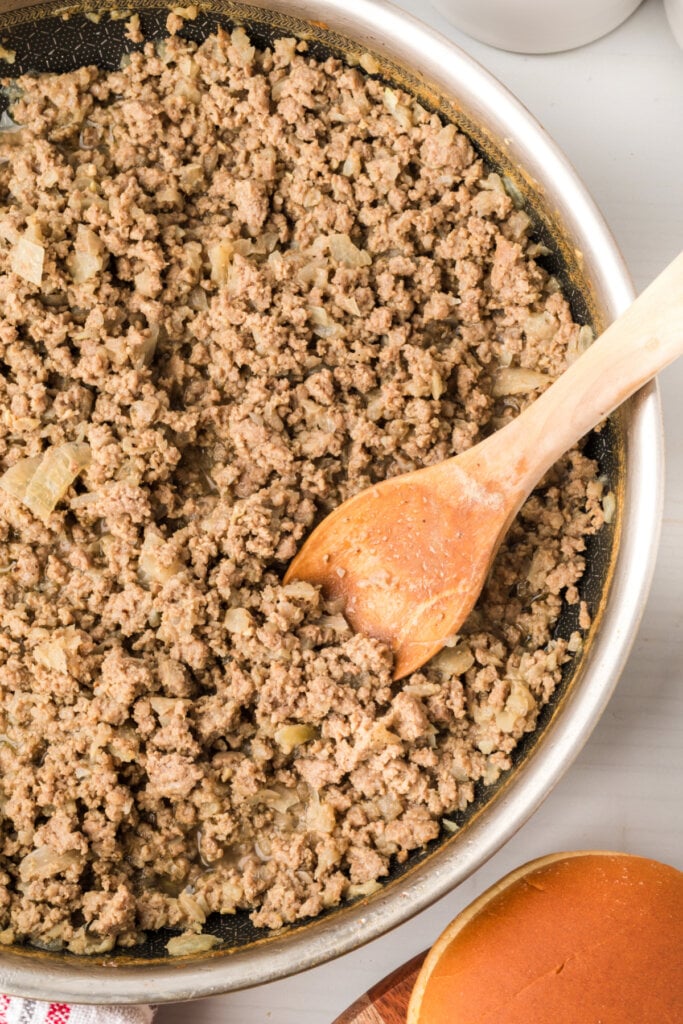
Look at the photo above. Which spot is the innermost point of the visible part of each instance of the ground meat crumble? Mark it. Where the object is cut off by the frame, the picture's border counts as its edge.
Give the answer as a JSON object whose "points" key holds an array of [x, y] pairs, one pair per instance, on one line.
{"points": [[251, 284]]}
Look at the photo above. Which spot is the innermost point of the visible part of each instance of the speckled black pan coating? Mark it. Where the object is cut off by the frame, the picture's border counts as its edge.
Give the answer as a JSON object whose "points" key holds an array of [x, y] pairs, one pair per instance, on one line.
{"points": [[47, 42]]}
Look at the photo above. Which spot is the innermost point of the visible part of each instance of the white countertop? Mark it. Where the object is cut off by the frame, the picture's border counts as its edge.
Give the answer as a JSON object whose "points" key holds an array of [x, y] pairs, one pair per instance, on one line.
{"points": [[616, 108]]}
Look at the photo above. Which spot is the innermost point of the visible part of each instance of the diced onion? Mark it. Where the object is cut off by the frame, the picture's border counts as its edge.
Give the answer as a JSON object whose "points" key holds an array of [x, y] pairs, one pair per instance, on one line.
{"points": [[352, 165], [609, 506], [348, 304], [313, 273], [402, 114], [83, 266], [154, 564], [578, 345], [291, 736], [389, 805], [11, 133], [319, 816], [540, 327], [278, 88], [87, 259], [492, 771], [369, 63], [220, 256], [575, 642], [381, 737], [344, 251], [191, 907], [46, 862], [422, 689], [363, 889], [514, 193], [280, 799], [52, 656], [517, 707], [518, 224], [517, 380], [330, 329], [54, 476], [493, 183], [147, 283], [240, 40], [301, 589], [238, 620], [285, 49], [26, 260], [454, 661], [55, 652], [438, 386], [191, 176], [197, 300], [84, 943], [16, 479], [88, 241], [538, 249], [7, 124], [323, 324], [183, 945], [319, 316], [164, 706], [142, 349], [335, 622]]}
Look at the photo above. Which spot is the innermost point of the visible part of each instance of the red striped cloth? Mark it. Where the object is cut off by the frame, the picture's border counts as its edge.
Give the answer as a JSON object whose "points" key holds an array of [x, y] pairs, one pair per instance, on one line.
{"points": [[29, 1011]]}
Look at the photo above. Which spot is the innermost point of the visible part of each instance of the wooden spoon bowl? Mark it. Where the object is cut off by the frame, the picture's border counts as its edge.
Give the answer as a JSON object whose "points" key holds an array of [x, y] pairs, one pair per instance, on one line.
{"points": [[410, 556]]}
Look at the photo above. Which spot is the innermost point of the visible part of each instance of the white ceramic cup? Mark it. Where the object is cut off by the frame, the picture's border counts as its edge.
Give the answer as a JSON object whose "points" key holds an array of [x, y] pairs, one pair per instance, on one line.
{"points": [[536, 26]]}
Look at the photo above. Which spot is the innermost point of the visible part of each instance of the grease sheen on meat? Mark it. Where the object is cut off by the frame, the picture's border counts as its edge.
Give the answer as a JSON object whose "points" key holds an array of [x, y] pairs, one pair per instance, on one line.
{"points": [[252, 284]]}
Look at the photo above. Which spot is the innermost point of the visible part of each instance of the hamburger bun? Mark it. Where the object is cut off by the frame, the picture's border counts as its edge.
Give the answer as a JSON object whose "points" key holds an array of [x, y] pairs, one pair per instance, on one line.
{"points": [[573, 938]]}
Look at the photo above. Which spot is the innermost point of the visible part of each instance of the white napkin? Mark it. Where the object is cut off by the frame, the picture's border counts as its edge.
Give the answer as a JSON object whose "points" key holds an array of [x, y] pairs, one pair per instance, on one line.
{"points": [[29, 1011]]}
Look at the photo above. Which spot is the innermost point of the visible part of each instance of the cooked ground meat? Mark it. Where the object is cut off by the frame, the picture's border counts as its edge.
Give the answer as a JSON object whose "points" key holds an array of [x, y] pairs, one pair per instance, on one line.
{"points": [[238, 287]]}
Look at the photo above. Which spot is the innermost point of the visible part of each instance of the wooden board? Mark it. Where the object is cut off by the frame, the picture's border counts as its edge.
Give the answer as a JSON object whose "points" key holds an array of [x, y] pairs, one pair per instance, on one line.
{"points": [[386, 1002]]}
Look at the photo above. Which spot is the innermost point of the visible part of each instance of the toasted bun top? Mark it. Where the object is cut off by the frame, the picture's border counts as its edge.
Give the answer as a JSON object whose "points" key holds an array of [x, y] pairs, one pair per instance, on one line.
{"points": [[573, 938]]}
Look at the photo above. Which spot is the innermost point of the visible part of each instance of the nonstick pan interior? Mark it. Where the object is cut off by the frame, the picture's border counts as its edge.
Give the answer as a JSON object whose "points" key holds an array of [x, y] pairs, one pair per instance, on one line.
{"points": [[57, 38]]}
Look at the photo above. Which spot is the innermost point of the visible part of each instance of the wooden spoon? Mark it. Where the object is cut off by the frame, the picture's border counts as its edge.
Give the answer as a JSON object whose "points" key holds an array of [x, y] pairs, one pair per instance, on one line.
{"points": [[410, 556]]}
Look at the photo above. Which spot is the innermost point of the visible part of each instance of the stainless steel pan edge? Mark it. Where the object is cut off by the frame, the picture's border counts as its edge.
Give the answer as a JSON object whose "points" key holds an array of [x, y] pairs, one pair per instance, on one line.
{"points": [[383, 28]]}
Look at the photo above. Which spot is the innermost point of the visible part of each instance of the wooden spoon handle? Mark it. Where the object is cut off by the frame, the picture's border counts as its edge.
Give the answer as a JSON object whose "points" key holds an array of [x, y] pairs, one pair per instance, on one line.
{"points": [[386, 1002], [633, 349]]}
